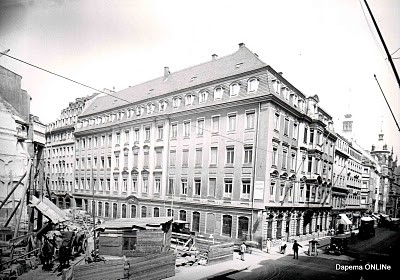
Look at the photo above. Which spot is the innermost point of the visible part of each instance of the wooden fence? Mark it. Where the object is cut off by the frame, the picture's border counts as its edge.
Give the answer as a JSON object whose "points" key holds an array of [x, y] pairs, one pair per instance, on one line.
{"points": [[112, 269], [220, 253]]}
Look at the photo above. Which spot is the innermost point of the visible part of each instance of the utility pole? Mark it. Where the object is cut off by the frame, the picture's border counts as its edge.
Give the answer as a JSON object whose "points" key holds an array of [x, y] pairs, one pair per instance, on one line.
{"points": [[384, 44]]}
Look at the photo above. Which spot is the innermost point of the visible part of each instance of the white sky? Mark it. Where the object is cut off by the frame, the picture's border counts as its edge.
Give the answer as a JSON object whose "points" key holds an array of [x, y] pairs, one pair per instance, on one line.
{"points": [[322, 47]]}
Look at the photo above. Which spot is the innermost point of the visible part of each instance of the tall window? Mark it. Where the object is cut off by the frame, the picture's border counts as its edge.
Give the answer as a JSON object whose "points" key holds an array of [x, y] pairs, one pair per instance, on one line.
{"points": [[162, 105], [184, 186], [156, 212], [174, 130], [243, 227], [123, 211], [176, 102], [276, 121], [118, 138], [196, 221], [160, 132], [227, 225], [171, 183], [274, 156], [246, 188], [311, 136], [248, 154], [146, 157], [309, 169], [189, 99], [212, 183], [147, 134], [218, 92], [185, 158], [200, 127], [286, 127], [115, 209], [144, 212], [137, 134], [215, 124], [230, 155], [197, 186], [126, 136], [133, 211], [125, 185], [172, 157], [213, 156], [199, 157], [134, 184], [182, 215], [250, 117], [157, 187], [108, 186], [145, 185], [106, 209], [228, 186], [284, 159], [295, 131], [116, 185], [99, 209], [232, 122], [186, 129], [293, 162], [234, 89]]}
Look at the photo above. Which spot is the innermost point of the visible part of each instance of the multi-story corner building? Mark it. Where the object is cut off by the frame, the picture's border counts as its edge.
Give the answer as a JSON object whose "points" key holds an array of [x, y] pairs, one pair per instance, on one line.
{"points": [[346, 192], [60, 154], [228, 145]]}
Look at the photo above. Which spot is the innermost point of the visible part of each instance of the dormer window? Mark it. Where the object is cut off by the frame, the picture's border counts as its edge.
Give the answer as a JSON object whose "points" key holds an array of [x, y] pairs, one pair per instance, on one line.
{"points": [[277, 86], [176, 102], [218, 92], [139, 110], [203, 96], [234, 89], [162, 105], [189, 99], [150, 108], [285, 93], [252, 85]]}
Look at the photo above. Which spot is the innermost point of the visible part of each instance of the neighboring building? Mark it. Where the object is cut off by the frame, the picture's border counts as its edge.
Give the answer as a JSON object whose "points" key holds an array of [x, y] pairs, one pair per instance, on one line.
{"points": [[381, 153], [60, 154], [14, 144], [228, 145]]}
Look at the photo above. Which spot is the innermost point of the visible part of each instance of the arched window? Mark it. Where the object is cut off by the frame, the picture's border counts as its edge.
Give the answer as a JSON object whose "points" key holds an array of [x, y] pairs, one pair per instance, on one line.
{"points": [[156, 212], [253, 85], [189, 99], [176, 102], [115, 209], [227, 225], [203, 96], [196, 222], [150, 108], [218, 92], [279, 227], [144, 211], [162, 105], [170, 213], [139, 110], [100, 209], [243, 227], [277, 86], [182, 215], [133, 211], [234, 89], [123, 211], [106, 209]]}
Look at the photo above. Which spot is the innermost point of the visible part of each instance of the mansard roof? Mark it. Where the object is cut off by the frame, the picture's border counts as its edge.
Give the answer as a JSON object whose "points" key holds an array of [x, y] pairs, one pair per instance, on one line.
{"points": [[243, 60]]}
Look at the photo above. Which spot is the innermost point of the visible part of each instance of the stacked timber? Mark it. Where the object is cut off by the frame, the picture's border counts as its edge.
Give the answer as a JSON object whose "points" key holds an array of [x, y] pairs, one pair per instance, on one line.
{"points": [[220, 253], [153, 266], [112, 269]]}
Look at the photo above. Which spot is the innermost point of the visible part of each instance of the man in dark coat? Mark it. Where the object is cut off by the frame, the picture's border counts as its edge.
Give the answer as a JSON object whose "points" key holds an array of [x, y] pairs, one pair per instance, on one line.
{"points": [[296, 249]]}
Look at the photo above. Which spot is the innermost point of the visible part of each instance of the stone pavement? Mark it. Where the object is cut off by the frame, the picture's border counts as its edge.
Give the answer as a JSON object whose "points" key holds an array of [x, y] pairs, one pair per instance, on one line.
{"points": [[252, 261]]}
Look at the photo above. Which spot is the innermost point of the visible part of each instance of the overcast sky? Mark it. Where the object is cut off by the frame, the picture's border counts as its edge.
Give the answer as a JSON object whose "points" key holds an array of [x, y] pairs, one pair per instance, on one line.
{"points": [[322, 47]]}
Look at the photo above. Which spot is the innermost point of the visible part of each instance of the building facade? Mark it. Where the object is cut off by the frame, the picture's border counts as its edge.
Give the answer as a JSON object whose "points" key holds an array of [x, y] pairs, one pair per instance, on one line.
{"points": [[60, 154], [228, 145]]}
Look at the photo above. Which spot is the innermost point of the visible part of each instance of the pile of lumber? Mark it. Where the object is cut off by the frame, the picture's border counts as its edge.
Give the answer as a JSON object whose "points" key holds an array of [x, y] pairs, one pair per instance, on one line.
{"points": [[153, 266]]}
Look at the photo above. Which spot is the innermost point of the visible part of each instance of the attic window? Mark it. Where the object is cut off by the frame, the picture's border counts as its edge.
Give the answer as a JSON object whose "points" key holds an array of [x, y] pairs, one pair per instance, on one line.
{"points": [[238, 64], [193, 78], [150, 91]]}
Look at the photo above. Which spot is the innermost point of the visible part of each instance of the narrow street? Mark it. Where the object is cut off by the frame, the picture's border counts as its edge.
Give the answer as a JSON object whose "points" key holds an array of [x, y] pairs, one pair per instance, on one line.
{"points": [[380, 249]]}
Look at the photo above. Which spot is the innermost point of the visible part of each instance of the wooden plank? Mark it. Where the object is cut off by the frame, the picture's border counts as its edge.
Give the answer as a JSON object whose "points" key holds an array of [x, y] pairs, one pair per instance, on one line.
{"points": [[150, 257]]}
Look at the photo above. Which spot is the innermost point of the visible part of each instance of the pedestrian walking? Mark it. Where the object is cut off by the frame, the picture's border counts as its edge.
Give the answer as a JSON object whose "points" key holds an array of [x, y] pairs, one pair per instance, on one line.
{"points": [[268, 246], [283, 247], [296, 249], [242, 251]]}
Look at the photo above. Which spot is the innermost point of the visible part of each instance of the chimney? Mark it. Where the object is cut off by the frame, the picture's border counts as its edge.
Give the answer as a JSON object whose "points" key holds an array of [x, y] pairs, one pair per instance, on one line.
{"points": [[241, 45], [166, 72], [214, 57]]}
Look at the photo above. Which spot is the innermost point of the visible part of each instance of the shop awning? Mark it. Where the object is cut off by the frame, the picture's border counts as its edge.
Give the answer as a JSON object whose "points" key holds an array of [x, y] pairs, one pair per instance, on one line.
{"points": [[344, 219], [48, 209]]}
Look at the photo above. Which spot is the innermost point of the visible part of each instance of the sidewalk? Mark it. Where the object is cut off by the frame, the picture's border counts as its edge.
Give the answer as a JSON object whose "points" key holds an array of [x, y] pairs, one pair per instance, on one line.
{"points": [[252, 261]]}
